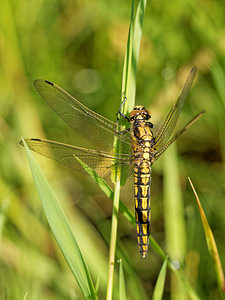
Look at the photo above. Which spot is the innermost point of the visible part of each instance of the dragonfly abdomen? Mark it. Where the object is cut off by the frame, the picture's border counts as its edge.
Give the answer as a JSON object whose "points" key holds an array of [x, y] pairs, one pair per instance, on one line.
{"points": [[143, 156], [142, 180]]}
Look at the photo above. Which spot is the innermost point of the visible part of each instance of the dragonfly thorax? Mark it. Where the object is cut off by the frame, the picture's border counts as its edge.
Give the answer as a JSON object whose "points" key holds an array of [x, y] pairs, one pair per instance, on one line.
{"points": [[140, 126], [139, 113]]}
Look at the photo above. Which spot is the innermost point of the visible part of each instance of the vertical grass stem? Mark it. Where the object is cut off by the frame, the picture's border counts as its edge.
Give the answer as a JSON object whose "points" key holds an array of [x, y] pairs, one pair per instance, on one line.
{"points": [[113, 239]]}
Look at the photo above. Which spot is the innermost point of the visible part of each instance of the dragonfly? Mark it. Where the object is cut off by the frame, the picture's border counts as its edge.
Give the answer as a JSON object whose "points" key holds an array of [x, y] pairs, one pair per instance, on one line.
{"points": [[140, 146]]}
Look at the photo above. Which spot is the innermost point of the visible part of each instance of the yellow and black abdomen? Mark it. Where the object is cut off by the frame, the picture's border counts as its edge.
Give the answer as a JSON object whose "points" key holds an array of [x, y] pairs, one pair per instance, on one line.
{"points": [[142, 142], [142, 180]]}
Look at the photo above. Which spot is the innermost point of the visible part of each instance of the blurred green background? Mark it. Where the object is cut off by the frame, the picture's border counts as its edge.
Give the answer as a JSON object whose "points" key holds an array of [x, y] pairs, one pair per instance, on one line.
{"points": [[80, 45]]}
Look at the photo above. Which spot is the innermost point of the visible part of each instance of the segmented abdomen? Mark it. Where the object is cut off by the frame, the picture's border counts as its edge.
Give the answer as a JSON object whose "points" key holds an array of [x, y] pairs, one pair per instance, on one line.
{"points": [[142, 180]]}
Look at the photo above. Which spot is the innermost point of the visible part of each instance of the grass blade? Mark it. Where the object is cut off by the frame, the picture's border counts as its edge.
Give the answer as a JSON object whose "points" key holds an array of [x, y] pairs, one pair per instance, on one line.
{"points": [[174, 217], [61, 229], [122, 288], [218, 76], [126, 80], [131, 55], [219, 80], [3, 209], [159, 288], [173, 207], [113, 239], [211, 243]]}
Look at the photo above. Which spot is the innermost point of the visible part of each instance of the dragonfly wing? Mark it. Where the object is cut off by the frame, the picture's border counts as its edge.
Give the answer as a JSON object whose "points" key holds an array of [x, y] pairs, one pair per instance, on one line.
{"points": [[163, 149], [66, 154], [168, 125], [85, 121]]}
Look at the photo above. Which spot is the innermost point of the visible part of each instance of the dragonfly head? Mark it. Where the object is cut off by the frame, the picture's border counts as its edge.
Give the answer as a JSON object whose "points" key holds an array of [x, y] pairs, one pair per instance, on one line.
{"points": [[139, 113]]}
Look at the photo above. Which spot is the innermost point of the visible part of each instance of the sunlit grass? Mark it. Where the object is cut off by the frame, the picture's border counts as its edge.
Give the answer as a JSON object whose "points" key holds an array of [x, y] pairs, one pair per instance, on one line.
{"points": [[159, 287], [211, 243]]}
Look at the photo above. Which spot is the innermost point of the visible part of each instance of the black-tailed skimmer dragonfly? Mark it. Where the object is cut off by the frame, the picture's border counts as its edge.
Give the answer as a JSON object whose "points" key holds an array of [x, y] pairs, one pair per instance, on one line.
{"points": [[141, 146]]}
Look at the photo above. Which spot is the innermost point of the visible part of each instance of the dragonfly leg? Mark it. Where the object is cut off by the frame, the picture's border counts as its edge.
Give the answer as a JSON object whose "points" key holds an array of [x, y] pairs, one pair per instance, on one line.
{"points": [[123, 131], [120, 112], [150, 124], [118, 164]]}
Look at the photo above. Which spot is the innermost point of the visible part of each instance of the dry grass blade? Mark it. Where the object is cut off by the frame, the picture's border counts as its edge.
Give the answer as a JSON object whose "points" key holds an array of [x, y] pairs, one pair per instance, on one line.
{"points": [[211, 243]]}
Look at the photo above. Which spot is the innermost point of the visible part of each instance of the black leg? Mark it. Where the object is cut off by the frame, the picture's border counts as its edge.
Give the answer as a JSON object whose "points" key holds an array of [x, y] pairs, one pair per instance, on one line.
{"points": [[120, 112]]}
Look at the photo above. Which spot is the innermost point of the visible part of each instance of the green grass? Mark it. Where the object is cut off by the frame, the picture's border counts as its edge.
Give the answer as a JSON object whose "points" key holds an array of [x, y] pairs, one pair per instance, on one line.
{"points": [[159, 287], [56, 41], [61, 229]]}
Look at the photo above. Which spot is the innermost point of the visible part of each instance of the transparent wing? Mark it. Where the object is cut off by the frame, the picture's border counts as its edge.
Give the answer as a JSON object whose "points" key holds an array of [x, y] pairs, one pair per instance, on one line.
{"points": [[163, 149], [93, 126], [100, 161], [168, 125]]}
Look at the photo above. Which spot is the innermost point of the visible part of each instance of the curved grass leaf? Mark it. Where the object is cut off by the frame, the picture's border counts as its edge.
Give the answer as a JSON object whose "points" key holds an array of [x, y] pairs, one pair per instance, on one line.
{"points": [[61, 229], [159, 287], [211, 243]]}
